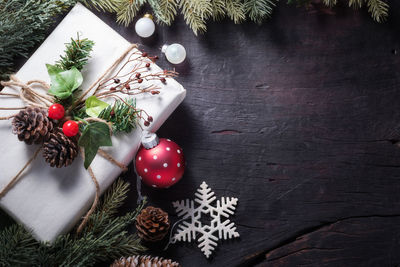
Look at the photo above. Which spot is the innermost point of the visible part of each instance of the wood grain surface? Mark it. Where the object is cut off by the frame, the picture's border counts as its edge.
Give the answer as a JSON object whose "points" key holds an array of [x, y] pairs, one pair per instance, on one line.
{"points": [[299, 119]]}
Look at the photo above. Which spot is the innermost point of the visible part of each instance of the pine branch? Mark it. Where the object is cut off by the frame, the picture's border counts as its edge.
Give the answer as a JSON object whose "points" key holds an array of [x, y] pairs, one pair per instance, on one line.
{"points": [[355, 3], [77, 54], [235, 10], [378, 9], [164, 10], [104, 5], [121, 115], [127, 11], [195, 15], [105, 240], [23, 24], [17, 246], [330, 3], [259, 10], [218, 9]]}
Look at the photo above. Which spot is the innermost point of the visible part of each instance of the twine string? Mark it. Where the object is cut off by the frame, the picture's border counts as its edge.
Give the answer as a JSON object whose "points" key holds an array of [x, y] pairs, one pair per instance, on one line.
{"points": [[36, 99], [96, 197], [80, 99], [16, 177]]}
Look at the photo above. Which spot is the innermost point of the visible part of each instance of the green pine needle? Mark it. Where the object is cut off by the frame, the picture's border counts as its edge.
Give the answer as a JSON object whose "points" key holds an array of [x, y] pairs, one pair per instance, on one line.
{"points": [[259, 10], [23, 24], [218, 9], [104, 5], [330, 3], [235, 10], [378, 9], [104, 238], [121, 115], [355, 3], [77, 53], [194, 15], [164, 10], [17, 246], [197, 12], [127, 11]]}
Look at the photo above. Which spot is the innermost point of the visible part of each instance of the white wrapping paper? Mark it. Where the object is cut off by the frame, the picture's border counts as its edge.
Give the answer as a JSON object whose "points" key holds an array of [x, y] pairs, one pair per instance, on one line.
{"points": [[50, 201]]}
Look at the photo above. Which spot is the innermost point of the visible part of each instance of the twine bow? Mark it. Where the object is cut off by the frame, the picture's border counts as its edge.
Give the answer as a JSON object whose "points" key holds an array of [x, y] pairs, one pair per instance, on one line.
{"points": [[32, 97]]}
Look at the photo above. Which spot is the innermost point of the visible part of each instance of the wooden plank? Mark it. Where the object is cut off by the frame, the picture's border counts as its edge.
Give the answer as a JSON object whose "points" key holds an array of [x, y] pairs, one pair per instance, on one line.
{"points": [[298, 119]]}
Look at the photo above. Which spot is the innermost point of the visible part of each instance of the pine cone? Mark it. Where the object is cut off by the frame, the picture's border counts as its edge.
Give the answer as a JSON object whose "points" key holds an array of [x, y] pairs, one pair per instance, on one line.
{"points": [[32, 125], [144, 261], [152, 224], [60, 150]]}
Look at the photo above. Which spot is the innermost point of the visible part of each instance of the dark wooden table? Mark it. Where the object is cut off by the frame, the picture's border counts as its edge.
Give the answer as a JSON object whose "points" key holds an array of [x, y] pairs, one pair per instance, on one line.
{"points": [[298, 118]]}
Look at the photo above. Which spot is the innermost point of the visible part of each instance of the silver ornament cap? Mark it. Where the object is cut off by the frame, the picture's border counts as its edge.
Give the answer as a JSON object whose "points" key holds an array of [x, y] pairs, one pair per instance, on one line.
{"points": [[149, 140]]}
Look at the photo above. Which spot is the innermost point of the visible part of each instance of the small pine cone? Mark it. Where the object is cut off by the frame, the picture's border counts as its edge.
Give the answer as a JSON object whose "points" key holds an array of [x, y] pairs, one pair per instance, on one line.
{"points": [[144, 261], [152, 224], [60, 150], [32, 125]]}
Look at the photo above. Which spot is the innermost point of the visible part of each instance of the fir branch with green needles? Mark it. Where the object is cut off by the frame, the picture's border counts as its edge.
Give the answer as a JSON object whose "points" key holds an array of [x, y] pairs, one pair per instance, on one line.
{"points": [[122, 116], [23, 24], [197, 13], [164, 10], [104, 238], [259, 10], [77, 53]]}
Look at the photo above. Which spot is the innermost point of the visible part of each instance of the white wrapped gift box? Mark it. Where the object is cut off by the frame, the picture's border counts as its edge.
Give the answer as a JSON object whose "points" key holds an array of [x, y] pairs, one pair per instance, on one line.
{"points": [[50, 201]]}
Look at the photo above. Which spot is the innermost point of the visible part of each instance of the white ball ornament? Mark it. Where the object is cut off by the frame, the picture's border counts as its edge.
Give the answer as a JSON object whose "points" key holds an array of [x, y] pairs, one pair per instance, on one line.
{"points": [[175, 53], [145, 27]]}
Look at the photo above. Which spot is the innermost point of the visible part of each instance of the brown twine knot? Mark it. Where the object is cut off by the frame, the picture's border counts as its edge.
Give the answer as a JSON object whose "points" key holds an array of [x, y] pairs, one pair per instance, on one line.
{"points": [[34, 98]]}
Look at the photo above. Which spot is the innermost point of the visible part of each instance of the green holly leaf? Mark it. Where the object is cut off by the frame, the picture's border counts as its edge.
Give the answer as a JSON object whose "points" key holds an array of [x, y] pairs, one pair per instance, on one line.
{"points": [[63, 82], [94, 135], [53, 69], [94, 106]]}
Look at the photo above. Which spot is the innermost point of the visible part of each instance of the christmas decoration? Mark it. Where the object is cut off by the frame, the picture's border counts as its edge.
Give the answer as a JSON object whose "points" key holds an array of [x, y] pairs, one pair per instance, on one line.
{"points": [[145, 27], [175, 53], [56, 112], [66, 193], [144, 261], [70, 128], [197, 13], [193, 226], [103, 239], [32, 125], [60, 150], [152, 224], [159, 162]]}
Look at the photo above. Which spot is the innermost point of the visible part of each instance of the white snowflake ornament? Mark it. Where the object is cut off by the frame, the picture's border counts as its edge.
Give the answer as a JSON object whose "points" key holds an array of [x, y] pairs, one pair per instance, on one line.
{"points": [[193, 226]]}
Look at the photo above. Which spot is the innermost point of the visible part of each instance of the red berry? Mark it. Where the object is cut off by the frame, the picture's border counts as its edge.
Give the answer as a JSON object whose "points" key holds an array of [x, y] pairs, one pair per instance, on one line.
{"points": [[138, 75], [150, 118], [147, 65], [163, 80], [146, 123], [70, 128], [56, 112], [140, 81], [144, 54]]}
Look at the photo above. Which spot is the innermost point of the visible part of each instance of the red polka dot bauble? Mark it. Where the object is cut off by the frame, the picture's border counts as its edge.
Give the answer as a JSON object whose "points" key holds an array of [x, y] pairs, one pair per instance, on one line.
{"points": [[159, 162]]}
